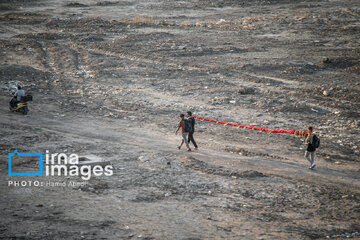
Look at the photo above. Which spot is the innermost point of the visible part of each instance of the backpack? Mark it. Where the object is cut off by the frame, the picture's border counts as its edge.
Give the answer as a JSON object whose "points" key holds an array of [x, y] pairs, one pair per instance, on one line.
{"points": [[188, 126], [316, 142], [192, 120], [26, 98]]}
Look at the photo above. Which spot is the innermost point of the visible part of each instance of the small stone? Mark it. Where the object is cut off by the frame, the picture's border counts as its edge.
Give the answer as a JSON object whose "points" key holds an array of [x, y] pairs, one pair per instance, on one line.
{"points": [[220, 21], [356, 123], [314, 110], [326, 93], [144, 159], [326, 60]]}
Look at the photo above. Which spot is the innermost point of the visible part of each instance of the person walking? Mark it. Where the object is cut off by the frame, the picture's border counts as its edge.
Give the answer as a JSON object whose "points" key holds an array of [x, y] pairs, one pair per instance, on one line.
{"points": [[184, 131], [191, 119], [312, 142]]}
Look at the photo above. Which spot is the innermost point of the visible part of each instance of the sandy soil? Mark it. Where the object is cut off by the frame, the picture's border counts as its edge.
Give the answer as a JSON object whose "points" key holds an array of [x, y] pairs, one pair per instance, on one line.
{"points": [[110, 78]]}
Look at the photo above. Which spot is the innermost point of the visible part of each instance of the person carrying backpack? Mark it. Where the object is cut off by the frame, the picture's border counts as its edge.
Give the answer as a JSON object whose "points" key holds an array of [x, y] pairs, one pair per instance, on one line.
{"points": [[313, 142], [185, 126], [191, 133]]}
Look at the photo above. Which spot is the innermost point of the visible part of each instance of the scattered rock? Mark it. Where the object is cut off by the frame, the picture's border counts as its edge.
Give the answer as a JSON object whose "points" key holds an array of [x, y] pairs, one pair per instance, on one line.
{"points": [[144, 159], [221, 21], [326, 93], [251, 174], [326, 60], [355, 124], [314, 110], [76, 4], [246, 90], [106, 3], [92, 39]]}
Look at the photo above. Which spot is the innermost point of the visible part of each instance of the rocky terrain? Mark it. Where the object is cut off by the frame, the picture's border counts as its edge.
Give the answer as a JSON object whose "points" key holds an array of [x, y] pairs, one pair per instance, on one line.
{"points": [[110, 78]]}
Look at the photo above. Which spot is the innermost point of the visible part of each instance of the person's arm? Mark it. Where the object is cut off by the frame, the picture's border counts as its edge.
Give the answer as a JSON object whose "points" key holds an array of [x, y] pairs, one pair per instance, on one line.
{"points": [[311, 137], [308, 138], [305, 137], [16, 93], [179, 125]]}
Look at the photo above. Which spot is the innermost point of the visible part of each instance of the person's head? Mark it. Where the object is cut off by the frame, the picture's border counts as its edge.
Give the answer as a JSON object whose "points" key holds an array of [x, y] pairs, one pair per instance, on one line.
{"points": [[310, 128], [19, 87], [182, 116], [189, 113]]}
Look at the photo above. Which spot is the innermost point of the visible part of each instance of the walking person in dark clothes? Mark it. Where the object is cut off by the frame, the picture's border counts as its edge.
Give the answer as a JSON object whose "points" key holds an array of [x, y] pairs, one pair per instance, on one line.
{"points": [[191, 133], [310, 140]]}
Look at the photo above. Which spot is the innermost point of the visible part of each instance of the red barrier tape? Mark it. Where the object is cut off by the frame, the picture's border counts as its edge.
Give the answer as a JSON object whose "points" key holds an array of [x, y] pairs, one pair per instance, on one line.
{"points": [[268, 130]]}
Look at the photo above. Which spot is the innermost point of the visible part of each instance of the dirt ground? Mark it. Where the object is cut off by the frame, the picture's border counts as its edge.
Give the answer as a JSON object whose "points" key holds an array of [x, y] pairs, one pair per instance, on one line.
{"points": [[110, 78]]}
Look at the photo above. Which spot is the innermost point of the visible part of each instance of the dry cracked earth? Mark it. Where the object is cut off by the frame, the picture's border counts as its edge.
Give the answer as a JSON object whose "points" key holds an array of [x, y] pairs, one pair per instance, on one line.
{"points": [[110, 78]]}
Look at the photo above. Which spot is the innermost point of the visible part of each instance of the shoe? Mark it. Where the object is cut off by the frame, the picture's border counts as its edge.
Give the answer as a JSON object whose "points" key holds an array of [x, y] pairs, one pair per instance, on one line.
{"points": [[312, 166], [189, 150], [179, 147]]}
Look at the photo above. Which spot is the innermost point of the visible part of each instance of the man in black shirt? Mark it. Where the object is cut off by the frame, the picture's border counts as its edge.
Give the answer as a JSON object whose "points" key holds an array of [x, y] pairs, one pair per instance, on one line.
{"points": [[191, 134], [310, 149]]}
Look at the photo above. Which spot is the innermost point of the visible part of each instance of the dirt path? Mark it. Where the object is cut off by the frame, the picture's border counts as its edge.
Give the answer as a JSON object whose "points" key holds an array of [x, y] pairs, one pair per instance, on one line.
{"points": [[132, 138]]}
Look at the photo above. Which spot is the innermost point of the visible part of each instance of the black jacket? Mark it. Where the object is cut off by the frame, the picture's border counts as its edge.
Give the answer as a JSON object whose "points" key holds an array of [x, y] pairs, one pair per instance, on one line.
{"points": [[309, 140], [192, 120]]}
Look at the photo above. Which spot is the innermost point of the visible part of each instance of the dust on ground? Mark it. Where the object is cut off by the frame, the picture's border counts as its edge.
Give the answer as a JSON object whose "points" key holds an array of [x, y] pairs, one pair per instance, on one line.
{"points": [[110, 78]]}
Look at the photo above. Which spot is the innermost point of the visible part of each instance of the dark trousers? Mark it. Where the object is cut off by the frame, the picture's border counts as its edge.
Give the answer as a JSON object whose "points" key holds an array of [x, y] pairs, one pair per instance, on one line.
{"points": [[13, 103], [191, 139]]}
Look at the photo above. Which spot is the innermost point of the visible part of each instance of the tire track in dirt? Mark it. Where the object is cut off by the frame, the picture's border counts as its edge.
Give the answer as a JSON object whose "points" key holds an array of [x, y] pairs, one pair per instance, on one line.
{"points": [[47, 60], [138, 59]]}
